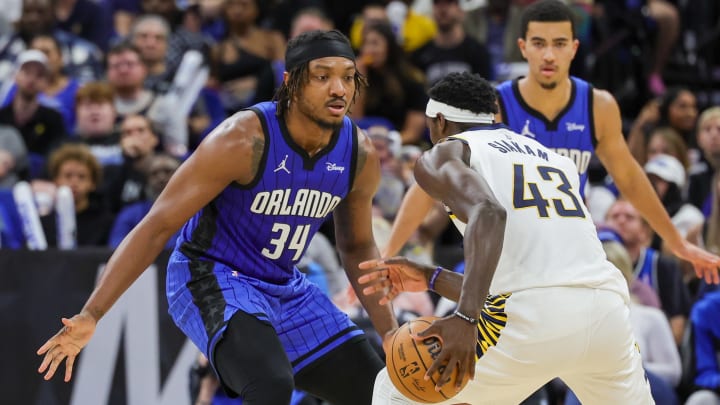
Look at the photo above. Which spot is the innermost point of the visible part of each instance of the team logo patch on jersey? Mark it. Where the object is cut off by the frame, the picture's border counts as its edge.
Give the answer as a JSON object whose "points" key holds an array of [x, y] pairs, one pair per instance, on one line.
{"points": [[572, 126], [492, 321]]}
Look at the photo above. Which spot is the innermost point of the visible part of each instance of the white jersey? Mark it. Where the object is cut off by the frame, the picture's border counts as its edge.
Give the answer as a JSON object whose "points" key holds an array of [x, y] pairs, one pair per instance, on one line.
{"points": [[550, 239]]}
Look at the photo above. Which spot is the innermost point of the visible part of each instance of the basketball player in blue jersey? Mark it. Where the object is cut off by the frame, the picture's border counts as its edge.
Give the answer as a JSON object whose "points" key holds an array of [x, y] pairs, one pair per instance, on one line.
{"points": [[538, 299], [250, 198], [570, 117]]}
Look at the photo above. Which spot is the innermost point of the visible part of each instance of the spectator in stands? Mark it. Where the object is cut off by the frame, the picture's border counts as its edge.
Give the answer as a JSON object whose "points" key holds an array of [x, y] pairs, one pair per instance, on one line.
{"points": [[677, 109], [396, 90], [706, 334], [706, 235], [183, 37], [159, 169], [86, 19], [82, 59], [667, 141], [451, 50], [41, 127], [701, 176], [665, 15], [413, 31], [149, 34], [655, 269], [13, 157], [126, 74], [667, 176], [310, 19], [391, 189], [96, 119], [125, 183], [242, 61], [61, 88], [73, 165]]}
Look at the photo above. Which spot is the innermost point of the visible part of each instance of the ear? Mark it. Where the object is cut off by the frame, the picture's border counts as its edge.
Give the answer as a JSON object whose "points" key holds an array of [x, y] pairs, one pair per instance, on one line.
{"points": [[522, 44], [286, 77], [575, 45]]}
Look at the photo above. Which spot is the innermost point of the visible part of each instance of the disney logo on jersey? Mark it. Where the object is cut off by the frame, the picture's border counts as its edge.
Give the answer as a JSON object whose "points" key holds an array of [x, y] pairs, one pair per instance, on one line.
{"points": [[571, 126], [332, 167]]}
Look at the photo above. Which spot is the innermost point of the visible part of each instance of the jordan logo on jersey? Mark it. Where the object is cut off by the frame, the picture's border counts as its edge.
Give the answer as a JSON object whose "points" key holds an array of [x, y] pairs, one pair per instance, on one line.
{"points": [[281, 166], [526, 130]]}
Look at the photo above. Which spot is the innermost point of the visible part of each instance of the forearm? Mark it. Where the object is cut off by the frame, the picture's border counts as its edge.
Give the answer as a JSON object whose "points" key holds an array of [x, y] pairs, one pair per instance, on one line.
{"points": [[414, 208], [447, 283], [381, 316], [484, 237], [137, 251], [636, 187]]}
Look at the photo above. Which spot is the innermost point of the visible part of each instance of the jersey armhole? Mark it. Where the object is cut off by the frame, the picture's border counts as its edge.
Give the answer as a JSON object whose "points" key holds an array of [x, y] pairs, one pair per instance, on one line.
{"points": [[502, 108], [591, 116], [354, 159], [263, 159]]}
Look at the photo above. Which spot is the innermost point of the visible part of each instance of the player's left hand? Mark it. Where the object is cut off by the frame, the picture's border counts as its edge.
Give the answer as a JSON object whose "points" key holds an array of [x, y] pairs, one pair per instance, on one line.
{"points": [[705, 263], [393, 276], [459, 342]]}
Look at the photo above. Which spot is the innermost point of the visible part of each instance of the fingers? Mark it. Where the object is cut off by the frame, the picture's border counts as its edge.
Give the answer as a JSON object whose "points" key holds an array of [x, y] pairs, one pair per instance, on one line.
{"points": [[57, 359], [50, 343], [69, 367], [369, 277], [46, 360], [435, 366], [370, 264]]}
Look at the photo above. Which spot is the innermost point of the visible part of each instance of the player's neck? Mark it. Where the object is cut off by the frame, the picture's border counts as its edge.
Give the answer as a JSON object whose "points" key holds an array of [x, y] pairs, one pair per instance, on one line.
{"points": [[547, 101], [306, 133]]}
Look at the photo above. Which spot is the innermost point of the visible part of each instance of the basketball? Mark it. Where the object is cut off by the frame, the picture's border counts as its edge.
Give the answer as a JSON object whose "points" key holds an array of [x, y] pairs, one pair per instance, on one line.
{"points": [[409, 359]]}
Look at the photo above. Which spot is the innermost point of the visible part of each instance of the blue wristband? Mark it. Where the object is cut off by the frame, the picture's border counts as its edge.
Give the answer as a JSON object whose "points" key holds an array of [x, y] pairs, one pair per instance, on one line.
{"points": [[433, 278]]}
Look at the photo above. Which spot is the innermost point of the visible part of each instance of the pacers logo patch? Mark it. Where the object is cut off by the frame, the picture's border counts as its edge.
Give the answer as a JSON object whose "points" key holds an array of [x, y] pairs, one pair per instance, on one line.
{"points": [[492, 321]]}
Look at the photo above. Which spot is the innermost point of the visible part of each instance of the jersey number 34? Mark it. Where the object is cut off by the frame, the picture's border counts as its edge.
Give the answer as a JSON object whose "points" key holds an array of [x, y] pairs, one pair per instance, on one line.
{"points": [[541, 203]]}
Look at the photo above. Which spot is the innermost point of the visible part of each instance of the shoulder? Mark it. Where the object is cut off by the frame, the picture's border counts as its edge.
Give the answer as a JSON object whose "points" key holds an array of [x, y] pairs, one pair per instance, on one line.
{"points": [[603, 101]]}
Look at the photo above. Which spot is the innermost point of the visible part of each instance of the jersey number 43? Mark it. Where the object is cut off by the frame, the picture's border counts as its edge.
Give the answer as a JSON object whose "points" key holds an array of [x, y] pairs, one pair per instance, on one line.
{"points": [[551, 176]]}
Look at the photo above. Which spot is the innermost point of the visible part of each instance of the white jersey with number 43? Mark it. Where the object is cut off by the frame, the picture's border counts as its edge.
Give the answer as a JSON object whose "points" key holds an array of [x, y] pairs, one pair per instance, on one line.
{"points": [[550, 239]]}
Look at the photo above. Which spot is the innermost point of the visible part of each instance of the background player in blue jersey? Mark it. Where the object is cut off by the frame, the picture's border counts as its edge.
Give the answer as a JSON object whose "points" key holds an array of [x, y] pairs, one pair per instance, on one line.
{"points": [[566, 114], [250, 198]]}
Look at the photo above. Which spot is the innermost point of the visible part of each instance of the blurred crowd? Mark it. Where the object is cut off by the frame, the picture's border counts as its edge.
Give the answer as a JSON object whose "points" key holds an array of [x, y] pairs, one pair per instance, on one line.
{"points": [[102, 100]]}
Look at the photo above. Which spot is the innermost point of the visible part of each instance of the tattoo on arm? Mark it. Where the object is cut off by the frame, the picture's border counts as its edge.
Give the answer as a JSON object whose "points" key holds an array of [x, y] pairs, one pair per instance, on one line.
{"points": [[258, 148]]}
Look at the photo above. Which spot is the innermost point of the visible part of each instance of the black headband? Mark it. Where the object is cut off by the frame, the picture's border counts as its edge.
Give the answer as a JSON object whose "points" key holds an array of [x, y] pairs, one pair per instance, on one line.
{"points": [[316, 49]]}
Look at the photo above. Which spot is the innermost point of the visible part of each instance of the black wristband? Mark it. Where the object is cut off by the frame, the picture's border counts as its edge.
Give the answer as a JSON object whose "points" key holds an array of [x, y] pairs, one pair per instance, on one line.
{"points": [[470, 320]]}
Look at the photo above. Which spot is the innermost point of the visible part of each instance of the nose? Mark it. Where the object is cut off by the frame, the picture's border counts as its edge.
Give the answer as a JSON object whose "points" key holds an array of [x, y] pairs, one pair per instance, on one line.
{"points": [[337, 88], [549, 55]]}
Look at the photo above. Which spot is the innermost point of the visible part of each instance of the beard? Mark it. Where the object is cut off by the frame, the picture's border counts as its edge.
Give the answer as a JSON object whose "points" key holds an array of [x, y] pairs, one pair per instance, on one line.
{"points": [[323, 123], [548, 86]]}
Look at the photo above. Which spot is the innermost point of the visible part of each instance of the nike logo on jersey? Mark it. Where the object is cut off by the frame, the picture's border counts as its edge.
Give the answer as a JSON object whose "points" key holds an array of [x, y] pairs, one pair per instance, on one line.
{"points": [[282, 166], [571, 126]]}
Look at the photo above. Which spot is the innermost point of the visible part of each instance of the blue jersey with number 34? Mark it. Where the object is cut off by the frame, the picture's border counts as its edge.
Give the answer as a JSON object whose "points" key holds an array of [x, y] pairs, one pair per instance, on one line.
{"points": [[262, 229]]}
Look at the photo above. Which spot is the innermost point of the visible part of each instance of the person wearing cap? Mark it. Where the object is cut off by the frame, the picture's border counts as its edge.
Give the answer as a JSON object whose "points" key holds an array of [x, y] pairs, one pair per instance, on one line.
{"points": [[249, 200], [41, 127], [668, 177]]}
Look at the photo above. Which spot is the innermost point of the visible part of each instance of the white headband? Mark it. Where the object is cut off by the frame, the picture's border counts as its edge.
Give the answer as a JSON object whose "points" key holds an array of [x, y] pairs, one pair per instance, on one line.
{"points": [[455, 114]]}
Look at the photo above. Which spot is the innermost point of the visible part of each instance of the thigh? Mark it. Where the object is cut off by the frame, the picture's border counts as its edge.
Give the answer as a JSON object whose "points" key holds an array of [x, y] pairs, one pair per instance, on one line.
{"points": [[310, 326], [343, 376]]}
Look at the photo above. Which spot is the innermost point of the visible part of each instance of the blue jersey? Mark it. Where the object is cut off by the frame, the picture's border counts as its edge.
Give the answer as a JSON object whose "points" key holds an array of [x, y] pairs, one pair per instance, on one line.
{"points": [[571, 133], [262, 229]]}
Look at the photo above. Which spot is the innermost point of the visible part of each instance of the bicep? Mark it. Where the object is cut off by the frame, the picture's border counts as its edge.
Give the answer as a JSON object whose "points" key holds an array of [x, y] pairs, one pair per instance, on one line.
{"points": [[612, 149]]}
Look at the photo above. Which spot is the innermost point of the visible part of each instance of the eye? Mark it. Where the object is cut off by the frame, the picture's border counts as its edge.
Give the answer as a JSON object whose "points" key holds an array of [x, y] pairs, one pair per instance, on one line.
{"points": [[322, 78], [349, 78]]}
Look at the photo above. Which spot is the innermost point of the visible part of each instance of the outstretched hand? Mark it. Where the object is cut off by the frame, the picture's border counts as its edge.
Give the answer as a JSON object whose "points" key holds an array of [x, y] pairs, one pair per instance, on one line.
{"points": [[705, 263], [459, 343], [66, 345], [392, 276]]}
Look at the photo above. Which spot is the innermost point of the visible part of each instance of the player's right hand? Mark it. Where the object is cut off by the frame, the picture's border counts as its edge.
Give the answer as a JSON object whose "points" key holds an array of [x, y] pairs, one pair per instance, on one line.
{"points": [[66, 344], [393, 276]]}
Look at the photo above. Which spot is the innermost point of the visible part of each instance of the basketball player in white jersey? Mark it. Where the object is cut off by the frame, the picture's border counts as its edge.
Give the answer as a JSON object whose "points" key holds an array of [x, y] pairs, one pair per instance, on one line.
{"points": [[538, 300]]}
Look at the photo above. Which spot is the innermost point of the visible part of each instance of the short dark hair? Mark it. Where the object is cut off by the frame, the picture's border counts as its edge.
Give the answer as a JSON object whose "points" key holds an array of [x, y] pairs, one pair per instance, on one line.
{"points": [[547, 11], [122, 47], [467, 91], [298, 75]]}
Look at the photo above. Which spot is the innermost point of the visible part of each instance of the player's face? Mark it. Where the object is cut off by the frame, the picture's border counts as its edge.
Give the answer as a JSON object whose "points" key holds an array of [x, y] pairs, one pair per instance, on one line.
{"points": [[549, 48], [625, 219], [327, 94]]}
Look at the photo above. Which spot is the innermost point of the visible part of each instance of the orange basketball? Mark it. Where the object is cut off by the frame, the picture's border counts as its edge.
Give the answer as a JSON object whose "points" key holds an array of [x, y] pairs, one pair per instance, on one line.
{"points": [[409, 359]]}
